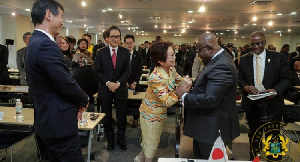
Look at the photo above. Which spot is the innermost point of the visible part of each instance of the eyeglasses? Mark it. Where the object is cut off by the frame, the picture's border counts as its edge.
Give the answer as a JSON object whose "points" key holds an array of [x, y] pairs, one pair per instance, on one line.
{"points": [[115, 36], [200, 49], [129, 43], [257, 44]]}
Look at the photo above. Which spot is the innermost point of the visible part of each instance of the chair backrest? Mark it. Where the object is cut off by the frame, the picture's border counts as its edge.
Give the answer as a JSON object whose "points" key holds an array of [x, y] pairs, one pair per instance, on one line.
{"points": [[291, 113]]}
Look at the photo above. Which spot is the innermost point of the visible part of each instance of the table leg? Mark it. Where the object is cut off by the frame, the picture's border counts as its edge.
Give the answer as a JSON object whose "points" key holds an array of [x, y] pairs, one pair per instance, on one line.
{"points": [[89, 146]]}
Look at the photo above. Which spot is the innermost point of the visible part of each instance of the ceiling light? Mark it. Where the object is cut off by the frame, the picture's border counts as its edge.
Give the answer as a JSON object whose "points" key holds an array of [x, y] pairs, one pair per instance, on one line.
{"points": [[137, 33], [293, 13], [264, 29], [235, 32], [99, 33], [279, 14], [128, 28], [190, 11], [13, 14], [83, 3], [120, 16], [228, 30], [68, 21], [103, 10], [243, 37], [221, 33], [254, 18], [27, 9], [183, 23], [155, 26], [169, 26], [143, 31], [109, 9], [270, 23], [183, 30], [289, 30], [234, 39], [190, 22], [122, 22], [207, 31], [103, 30], [254, 24], [143, 34], [137, 27], [202, 8], [280, 34], [146, 34], [84, 25], [165, 31], [133, 30], [188, 26]]}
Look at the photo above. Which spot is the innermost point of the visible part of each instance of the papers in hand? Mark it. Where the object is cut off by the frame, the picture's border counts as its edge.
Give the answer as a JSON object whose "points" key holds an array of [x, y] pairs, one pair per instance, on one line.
{"points": [[261, 95]]}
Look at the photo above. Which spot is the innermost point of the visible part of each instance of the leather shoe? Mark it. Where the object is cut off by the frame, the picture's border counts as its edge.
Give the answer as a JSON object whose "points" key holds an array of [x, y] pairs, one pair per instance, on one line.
{"points": [[110, 145], [135, 123], [122, 144]]}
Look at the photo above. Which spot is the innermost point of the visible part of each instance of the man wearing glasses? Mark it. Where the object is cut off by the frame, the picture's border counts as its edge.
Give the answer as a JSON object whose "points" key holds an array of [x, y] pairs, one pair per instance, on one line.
{"points": [[113, 70], [262, 70]]}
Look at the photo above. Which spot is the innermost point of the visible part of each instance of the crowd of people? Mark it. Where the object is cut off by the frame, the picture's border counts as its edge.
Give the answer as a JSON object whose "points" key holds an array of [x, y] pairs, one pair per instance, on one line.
{"points": [[209, 100]]}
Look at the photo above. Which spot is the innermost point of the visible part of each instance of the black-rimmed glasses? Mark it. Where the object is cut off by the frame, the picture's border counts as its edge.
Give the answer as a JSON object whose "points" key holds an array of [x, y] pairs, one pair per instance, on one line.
{"points": [[115, 36], [200, 49], [253, 44]]}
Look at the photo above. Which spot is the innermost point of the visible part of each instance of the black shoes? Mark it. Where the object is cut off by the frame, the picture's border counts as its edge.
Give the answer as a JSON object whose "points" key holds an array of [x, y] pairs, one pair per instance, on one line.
{"points": [[122, 144], [110, 145]]}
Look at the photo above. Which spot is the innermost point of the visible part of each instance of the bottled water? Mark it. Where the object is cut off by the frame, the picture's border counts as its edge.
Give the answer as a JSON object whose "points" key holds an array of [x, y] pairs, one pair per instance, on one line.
{"points": [[19, 109], [101, 132], [83, 119]]}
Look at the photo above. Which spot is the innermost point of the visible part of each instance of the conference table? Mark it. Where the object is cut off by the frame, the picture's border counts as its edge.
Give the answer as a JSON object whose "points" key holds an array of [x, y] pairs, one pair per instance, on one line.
{"points": [[13, 91], [28, 113]]}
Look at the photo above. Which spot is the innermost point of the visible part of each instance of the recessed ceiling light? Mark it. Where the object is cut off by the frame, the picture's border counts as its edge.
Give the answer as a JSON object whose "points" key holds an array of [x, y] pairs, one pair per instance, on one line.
{"points": [[221, 33], [190, 11], [254, 24], [13, 14], [234, 39], [270, 23], [155, 26], [183, 23], [243, 37], [143, 34], [202, 8], [109, 9], [235, 32], [254, 18], [170, 26], [103, 10], [143, 31], [293, 13], [165, 31], [188, 26], [120, 16], [84, 25], [27, 9], [279, 14], [128, 28], [228, 30], [83, 3], [68, 21], [289, 30], [146, 34]]}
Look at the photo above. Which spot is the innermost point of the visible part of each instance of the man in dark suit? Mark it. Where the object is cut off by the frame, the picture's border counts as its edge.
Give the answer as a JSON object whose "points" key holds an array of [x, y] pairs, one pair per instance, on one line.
{"points": [[146, 55], [58, 100], [262, 70], [4, 76], [185, 59], [97, 47], [113, 70], [136, 61], [21, 59], [211, 104]]}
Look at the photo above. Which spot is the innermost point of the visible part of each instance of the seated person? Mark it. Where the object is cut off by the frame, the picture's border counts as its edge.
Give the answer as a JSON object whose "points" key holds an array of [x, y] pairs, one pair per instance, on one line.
{"points": [[293, 94]]}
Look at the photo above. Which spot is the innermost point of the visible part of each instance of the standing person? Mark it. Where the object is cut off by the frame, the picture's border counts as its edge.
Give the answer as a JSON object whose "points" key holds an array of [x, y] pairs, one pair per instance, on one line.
{"points": [[58, 100], [97, 47], [136, 64], [65, 49], [262, 70], [4, 76], [160, 95], [82, 45], [113, 70], [145, 54], [90, 46], [211, 105], [21, 53]]}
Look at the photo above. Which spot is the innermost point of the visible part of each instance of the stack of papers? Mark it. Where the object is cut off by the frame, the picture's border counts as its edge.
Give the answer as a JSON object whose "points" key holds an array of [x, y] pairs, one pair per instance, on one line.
{"points": [[261, 95]]}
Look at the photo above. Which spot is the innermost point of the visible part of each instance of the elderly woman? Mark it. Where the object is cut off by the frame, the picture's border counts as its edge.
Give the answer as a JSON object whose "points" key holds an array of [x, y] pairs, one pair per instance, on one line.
{"points": [[160, 95]]}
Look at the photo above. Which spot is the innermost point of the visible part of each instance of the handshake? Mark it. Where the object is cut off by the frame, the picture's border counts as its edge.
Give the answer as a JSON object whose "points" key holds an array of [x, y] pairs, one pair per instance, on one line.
{"points": [[185, 87]]}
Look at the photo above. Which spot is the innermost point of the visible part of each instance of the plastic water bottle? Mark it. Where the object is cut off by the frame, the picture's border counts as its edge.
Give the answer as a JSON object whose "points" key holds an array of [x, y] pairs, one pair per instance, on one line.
{"points": [[19, 109], [83, 119], [101, 132]]}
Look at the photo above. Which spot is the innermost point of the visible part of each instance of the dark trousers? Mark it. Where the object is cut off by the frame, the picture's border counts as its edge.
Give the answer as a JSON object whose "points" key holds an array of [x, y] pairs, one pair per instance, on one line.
{"points": [[64, 149], [106, 107], [201, 150], [256, 132]]}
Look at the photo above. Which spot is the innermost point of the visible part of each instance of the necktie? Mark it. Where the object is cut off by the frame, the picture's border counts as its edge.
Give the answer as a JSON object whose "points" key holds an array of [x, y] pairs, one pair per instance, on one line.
{"points": [[114, 57], [258, 81]]}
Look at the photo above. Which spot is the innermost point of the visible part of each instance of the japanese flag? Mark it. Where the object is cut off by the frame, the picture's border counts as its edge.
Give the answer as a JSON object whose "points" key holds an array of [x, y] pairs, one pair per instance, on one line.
{"points": [[218, 152]]}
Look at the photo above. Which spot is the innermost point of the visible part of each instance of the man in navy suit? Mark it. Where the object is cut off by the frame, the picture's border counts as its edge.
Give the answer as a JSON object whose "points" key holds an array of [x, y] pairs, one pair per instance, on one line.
{"points": [[58, 100], [136, 61], [211, 105], [262, 70], [113, 70]]}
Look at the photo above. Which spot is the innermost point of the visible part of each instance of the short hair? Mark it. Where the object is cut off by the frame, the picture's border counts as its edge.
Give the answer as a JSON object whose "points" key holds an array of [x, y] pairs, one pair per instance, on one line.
{"points": [[286, 45], [71, 39], [39, 8], [146, 42], [104, 34], [80, 40], [25, 34], [158, 51], [128, 36], [258, 33], [87, 35], [113, 27]]}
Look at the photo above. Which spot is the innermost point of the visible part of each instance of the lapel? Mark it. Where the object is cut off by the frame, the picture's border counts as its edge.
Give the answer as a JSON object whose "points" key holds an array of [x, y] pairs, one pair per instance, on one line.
{"points": [[119, 57], [268, 64], [207, 67], [250, 67], [133, 58], [170, 79], [107, 54]]}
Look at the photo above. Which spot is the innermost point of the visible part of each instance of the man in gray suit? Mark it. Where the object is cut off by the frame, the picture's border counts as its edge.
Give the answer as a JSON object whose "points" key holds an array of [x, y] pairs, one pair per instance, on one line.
{"points": [[21, 53], [211, 104]]}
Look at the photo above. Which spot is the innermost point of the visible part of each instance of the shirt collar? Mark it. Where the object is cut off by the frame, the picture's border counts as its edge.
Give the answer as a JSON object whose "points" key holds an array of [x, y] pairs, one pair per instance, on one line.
{"points": [[219, 52], [110, 48], [261, 55], [50, 36]]}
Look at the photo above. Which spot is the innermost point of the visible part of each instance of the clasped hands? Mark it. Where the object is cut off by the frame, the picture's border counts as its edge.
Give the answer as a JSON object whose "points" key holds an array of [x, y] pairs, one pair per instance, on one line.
{"points": [[113, 86], [185, 87]]}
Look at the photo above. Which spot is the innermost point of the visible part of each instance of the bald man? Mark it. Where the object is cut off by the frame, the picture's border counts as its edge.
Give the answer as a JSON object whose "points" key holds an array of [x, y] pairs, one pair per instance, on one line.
{"points": [[211, 104]]}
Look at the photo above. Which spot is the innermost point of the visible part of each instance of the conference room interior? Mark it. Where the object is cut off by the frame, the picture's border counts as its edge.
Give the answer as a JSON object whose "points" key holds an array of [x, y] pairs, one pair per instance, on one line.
{"points": [[178, 21]]}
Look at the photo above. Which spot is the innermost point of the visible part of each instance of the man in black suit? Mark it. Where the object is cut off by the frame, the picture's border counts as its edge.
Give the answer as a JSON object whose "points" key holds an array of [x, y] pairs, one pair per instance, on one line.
{"points": [[4, 76], [21, 53], [58, 100], [136, 61], [185, 59], [113, 70], [262, 70], [146, 55], [211, 104], [97, 47]]}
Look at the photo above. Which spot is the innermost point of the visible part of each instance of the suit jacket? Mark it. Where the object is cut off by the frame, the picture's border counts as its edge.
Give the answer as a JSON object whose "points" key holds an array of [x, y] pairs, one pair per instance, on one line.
{"points": [[21, 66], [136, 68], [160, 94], [146, 58], [211, 105], [106, 72], [56, 94], [276, 76], [96, 47], [4, 76]]}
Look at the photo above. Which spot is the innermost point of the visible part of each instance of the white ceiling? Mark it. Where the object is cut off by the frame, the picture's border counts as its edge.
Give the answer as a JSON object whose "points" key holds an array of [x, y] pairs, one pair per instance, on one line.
{"points": [[220, 15]]}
